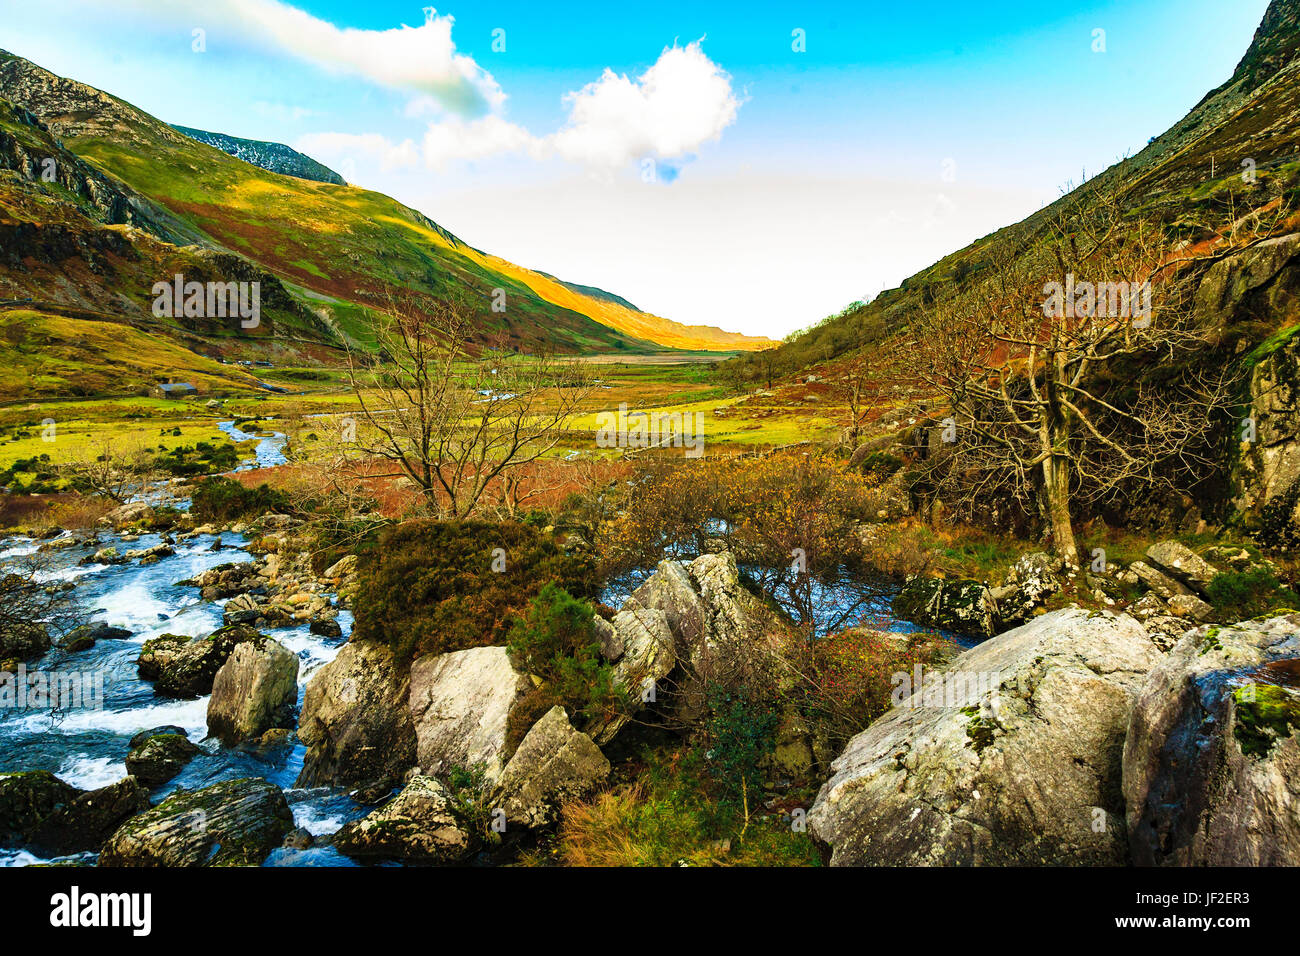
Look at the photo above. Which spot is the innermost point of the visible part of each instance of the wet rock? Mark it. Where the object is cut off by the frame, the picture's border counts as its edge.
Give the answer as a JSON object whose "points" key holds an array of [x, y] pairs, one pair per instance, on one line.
{"points": [[127, 515], [1212, 755], [326, 628], [418, 825], [85, 637], [159, 757], [255, 689], [89, 818], [460, 704], [144, 735], [299, 839], [26, 798], [234, 823], [157, 652], [553, 763], [356, 720], [190, 670], [24, 641], [1026, 774]]}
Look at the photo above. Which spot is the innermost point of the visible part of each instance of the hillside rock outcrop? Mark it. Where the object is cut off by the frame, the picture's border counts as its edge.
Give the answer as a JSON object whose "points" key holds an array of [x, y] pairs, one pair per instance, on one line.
{"points": [[553, 763]]}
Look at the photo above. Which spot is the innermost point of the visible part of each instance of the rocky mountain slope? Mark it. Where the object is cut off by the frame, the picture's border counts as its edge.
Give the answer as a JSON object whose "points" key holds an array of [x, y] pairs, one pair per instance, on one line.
{"points": [[273, 157]]}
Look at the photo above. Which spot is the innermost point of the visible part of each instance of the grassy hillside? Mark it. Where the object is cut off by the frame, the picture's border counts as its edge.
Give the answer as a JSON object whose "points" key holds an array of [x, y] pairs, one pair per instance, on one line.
{"points": [[341, 242]]}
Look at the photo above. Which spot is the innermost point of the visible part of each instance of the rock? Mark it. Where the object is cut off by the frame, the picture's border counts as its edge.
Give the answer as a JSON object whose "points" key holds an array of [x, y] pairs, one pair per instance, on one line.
{"points": [[159, 757], [107, 556], [1147, 606], [158, 652], [1189, 605], [127, 515], [142, 736], [24, 641], [418, 825], [341, 568], [460, 703], [88, 819], [233, 823], [671, 591], [85, 637], [1181, 562], [1031, 581], [1159, 582], [967, 607], [553, 763], [26, 799], [190, 670], [1028, 775], [255, 689], [648, 657], [356, 720], [326, 628], [793, 753], [611, 644], [1165, 630], [299, 839], [1212, 756]]}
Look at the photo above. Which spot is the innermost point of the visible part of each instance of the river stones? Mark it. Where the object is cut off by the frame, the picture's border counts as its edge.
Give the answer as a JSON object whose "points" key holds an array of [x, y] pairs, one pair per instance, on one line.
{"points": [[418, 825], [967, 607], [40, 811], [186, 668], [88, 819], [159, 757], [552, 764], [460, 705], [1212, 757], [1021, 768], [356, 720], [234, 823], [23, 641], [255, 689]]}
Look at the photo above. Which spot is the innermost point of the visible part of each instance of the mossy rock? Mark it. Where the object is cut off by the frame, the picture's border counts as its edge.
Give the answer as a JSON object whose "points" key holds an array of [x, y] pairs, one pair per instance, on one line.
{"points": [[1265, 714]]}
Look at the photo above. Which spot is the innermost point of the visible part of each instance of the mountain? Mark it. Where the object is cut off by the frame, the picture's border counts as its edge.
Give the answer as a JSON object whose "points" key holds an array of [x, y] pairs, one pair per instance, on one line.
{"points": [[135, 201], [1189, 177], [273, 157]]}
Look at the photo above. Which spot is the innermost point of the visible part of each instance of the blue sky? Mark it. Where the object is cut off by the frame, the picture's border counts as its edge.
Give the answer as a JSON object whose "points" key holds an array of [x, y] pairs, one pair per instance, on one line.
{"points": [[682, 154]]}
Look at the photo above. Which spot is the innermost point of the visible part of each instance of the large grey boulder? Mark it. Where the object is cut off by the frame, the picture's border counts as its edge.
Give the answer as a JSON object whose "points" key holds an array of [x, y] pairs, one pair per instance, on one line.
{"points": [[255, 690], [1212, 755], [355, 720], [553, 763], [460, 705], [418, 825], [234, 823], [1016, 761], [187, 668]]}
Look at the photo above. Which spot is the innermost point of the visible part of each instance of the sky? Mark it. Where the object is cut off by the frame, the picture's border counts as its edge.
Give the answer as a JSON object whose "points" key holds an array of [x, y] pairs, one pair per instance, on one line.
{"points": [[752, 165]]}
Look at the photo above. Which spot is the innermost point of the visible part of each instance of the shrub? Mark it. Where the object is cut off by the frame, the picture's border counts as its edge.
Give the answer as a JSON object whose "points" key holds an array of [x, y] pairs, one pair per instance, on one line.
{"points": [[429, 587], [1245, 594], [556, 640], [739, 729], [222, 499]]}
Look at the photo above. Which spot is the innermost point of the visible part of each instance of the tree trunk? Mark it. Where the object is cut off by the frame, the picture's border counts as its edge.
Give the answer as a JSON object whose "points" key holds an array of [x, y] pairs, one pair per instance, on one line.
{"points": [[1056, 495]]}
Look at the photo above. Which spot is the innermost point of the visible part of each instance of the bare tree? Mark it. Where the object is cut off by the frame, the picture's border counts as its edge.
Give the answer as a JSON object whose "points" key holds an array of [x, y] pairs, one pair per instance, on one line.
{"points": [[450, 419], [1039, 361], [112, 469]]}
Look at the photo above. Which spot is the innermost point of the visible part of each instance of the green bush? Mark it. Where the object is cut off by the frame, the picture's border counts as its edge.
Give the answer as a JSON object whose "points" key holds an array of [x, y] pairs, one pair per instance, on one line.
{"points": [[1245, 594], [223, 499], [740, 730], [556, 640], [429, 587]]}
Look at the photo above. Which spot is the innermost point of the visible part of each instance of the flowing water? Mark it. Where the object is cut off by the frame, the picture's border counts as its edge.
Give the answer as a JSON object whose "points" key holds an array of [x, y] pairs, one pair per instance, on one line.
{"points": [[86, 747]]}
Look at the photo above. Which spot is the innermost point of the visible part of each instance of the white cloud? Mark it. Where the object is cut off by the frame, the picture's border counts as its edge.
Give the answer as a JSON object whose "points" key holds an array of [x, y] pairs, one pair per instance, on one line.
{"points": [[455, 139], [420, 59], [368, 148], [666, 114], [682, 102]]}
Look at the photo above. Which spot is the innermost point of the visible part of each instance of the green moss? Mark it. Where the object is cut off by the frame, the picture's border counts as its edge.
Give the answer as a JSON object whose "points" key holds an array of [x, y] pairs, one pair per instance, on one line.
{"points": [[1265, 714], [980, 731]]}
